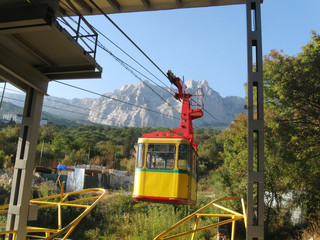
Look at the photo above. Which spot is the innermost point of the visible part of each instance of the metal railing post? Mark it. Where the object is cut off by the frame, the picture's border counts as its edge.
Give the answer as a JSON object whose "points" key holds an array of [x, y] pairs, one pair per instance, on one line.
{"points": [[255, 185]]}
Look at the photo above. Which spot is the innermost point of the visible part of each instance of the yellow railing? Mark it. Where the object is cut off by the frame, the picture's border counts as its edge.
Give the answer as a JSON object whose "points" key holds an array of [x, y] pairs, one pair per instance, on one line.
{"points": [[46, 202], [232, 216]]}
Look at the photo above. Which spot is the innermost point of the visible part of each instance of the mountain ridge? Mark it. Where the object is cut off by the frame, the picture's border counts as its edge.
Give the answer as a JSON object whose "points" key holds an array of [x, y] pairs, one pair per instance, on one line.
{"points": [[137, 105]]}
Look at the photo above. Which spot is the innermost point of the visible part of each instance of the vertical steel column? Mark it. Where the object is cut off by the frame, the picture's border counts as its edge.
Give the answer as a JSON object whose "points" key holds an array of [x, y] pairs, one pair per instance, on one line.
{"points": [[255, 187], [22, 175]]}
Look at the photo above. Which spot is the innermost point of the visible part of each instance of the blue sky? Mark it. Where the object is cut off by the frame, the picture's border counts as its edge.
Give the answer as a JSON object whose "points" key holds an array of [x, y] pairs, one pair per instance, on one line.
{"points": [[199, 43]]}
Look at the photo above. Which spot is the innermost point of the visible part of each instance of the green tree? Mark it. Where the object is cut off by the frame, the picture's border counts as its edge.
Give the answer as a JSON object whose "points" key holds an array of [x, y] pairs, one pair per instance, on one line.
{"points": [[109, 151], [292, 90], [2, 156], [59, 147], [230, 178], [208, 149], [9, 139], [292, 139]]}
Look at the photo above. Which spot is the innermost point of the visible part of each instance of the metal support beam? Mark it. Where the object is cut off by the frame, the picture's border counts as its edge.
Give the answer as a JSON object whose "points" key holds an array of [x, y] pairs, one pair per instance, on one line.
{"points": [[32, 50], [255, 187], [146, 3], [27, 16], [20, 73], [23, 169], [84, 5], [115, 5]]}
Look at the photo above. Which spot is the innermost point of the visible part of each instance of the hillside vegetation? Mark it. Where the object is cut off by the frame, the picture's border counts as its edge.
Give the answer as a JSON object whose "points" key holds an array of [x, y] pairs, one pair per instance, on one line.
{"points": [[292, 158], [99, 145]]}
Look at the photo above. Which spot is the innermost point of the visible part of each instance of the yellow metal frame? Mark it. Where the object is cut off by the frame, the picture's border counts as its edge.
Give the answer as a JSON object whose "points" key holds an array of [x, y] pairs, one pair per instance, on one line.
{"points": [[46, 202], [233, 215]]}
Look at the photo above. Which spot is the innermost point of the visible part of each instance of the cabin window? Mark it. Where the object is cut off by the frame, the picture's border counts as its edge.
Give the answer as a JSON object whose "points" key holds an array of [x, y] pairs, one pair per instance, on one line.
{"points": [[195, 166], [140, 155], [183, 157], [160, 156]]}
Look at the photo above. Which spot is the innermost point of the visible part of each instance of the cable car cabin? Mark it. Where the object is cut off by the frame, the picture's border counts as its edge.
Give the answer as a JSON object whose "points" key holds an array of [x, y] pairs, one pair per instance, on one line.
{"points": [[166, 161], [165, 171]]}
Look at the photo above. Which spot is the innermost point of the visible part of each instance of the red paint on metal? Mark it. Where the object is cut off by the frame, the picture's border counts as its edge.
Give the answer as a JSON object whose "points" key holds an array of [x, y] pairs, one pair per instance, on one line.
{"points": [[185, 130]]}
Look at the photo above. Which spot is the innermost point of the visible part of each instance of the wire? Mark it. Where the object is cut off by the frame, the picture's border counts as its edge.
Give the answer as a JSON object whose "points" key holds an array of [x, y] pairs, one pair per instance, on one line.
{"points": [[132, 70], [117, 46], [115, 99], [103, 13], [52, 100], [204, 123], [87, 115], [12, 90], [214, 117], [19, 100], [47, 99], [135, 62], [127, 66], [4, 88], [209, 115], [68, 104], [65, 110]]}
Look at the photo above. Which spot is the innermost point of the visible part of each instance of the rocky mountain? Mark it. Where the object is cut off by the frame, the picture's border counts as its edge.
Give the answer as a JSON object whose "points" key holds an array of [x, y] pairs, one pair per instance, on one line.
{"points": [[110, 112], [143, 104]]}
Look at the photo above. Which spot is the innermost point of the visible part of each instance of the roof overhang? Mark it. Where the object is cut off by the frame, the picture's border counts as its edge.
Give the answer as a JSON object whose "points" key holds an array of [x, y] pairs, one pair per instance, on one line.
{"points": [[35, 49], [87, 7]]}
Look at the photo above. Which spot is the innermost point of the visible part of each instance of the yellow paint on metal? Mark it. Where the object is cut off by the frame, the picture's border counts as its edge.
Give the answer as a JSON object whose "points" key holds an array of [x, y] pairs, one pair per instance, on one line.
{"points": [[59, 201], [193, 189], [233, 217], [163, 184], [167, 183]]}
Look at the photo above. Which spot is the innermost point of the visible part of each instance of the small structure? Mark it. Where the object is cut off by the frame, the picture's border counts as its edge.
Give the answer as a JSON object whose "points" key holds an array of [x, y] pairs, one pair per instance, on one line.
{"points": [[17, 118], [86, 176]]}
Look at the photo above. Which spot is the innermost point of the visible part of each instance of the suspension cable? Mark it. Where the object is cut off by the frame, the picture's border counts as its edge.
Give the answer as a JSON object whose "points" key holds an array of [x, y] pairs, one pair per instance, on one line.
{"points": [[104, 14]]}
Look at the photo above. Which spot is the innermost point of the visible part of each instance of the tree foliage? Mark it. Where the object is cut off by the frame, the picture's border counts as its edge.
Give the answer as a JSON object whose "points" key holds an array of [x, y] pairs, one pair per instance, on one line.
{"points": [[292, 141], [99, 145], [292, 86]]}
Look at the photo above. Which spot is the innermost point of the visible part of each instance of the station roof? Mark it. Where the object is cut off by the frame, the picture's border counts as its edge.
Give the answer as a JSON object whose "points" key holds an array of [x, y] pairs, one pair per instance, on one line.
{"points": [[123, 6], [35, 48]]}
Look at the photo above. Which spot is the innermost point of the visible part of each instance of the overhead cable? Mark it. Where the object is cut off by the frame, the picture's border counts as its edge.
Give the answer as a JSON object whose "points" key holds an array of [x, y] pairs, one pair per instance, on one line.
{"points": [[127, 66], [132, 70], [116, 119], [134, 61], [19, 100], [115, 99], [75, 106], [104, 14]]}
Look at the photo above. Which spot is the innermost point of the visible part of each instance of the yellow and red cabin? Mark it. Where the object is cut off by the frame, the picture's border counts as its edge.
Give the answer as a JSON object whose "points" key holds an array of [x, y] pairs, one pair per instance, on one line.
{"points": [[166, 165], [165, 171]]}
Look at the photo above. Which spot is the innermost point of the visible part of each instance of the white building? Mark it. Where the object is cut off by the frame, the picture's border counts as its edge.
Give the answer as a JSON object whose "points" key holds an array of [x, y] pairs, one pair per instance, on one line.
{"points": [[17, 118]]}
